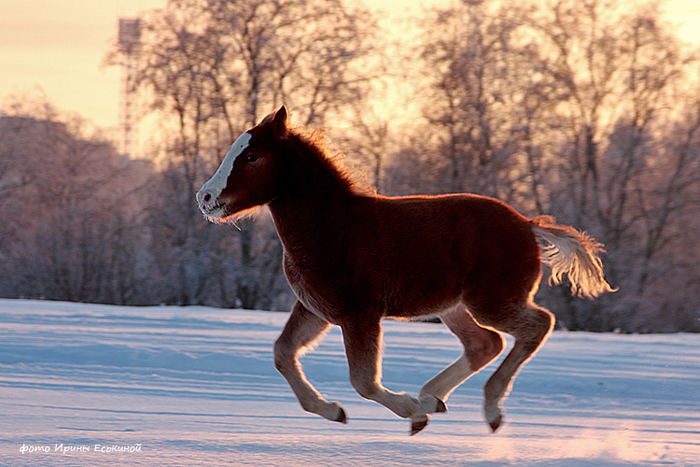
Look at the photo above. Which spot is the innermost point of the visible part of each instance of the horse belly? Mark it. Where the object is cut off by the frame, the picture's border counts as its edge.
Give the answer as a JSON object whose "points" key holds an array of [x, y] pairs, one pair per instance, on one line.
{"points": [[418, 308], [423, 288]]}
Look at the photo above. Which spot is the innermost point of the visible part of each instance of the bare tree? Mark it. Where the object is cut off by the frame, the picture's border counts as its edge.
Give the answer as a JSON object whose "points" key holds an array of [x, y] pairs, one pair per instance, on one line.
{"points": [[75, 235], [490, 97], [622, 73], [215, 67], [569, 109]]}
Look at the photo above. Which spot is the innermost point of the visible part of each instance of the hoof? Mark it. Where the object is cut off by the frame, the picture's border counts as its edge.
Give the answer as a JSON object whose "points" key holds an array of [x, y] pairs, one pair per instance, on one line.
{"points": [[341, 418], [495, 424], [441, 407], [418, 425], [431, 404], [494, 416]]}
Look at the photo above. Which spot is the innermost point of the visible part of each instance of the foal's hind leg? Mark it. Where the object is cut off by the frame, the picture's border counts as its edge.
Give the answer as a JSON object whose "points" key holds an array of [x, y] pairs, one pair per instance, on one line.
{"points": [[302, 329], [362, 346], [481, 346], [530, 327]]}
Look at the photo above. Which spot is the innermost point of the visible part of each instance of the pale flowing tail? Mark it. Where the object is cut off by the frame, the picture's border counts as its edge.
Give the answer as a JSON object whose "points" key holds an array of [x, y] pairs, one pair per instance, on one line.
{"points": [[574, 254]]}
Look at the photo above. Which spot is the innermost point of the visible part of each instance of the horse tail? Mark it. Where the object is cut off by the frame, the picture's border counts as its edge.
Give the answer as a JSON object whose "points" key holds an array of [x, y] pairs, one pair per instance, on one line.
{"points": [[572, 253]]}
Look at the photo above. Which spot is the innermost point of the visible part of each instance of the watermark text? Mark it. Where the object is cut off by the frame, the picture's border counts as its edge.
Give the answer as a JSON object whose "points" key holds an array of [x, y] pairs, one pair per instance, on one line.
{"points": [[79, 448]]}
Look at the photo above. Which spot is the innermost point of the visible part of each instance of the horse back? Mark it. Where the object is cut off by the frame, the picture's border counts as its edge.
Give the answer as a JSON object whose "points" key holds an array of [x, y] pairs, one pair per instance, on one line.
{"points": [[457, 247], [412, 256]]}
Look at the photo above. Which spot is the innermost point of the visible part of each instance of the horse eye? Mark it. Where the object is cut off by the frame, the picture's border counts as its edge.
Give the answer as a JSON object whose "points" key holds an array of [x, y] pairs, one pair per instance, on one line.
{"points": [[252, 158]]}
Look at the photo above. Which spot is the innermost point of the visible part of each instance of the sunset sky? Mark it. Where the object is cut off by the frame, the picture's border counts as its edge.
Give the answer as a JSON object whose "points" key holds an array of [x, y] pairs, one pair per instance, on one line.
{"points": [[58, 46]]}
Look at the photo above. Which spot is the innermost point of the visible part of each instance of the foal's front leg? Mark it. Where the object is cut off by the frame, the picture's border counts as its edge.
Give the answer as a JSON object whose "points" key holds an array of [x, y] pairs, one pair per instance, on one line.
{"points": [[362, 347], [302, 329]]}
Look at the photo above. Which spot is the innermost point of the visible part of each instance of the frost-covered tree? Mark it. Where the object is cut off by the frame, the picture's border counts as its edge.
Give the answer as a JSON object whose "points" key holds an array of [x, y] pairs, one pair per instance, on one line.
{"points": [[581, 109], [71, 230], [213, 68]]}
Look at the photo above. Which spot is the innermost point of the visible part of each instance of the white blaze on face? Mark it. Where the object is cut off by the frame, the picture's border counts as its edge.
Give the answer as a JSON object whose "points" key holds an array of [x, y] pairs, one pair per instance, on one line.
{"points": [[217, 183]]}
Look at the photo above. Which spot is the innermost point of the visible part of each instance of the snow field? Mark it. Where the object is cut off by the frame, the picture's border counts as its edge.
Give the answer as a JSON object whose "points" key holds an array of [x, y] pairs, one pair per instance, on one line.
{"points": [[163, 386]]}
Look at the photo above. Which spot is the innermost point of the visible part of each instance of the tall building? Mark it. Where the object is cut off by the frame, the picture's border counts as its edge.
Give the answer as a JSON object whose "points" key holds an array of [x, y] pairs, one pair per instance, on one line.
{"points": [[130, 43]]}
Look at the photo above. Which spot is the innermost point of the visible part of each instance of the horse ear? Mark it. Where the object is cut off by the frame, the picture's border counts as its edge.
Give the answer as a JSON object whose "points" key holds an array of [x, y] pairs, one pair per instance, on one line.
{"points": [[279, 122]]}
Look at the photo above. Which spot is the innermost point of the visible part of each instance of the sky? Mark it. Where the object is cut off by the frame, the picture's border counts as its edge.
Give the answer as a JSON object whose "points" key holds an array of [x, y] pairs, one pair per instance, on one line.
{"points": [[58, 46]]}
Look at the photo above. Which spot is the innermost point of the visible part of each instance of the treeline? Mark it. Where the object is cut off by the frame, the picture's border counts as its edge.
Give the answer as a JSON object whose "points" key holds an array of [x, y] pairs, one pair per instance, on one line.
{"points": [[581, 109]]}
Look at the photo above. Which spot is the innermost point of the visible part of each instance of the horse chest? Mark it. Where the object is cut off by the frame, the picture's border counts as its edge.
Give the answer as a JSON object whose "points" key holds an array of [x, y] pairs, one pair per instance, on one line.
{"points": [[313, 291]]}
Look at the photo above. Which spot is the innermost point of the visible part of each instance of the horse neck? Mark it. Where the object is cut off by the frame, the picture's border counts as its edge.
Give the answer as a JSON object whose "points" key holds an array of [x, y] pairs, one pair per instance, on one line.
{"points": [[311, 201]]}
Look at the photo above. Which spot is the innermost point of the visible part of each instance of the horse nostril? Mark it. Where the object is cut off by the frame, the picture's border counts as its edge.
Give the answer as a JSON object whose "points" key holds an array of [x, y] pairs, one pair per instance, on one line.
{"points": [[207, 197]]}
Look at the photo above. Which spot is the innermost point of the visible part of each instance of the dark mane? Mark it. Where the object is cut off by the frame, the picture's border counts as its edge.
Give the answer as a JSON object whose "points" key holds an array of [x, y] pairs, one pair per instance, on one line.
{"points": [[317, 144]]}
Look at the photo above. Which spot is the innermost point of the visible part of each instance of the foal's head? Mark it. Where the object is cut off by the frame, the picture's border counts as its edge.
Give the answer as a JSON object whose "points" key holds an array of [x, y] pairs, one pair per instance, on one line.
{"points": [[266, 162], [249, 174]]}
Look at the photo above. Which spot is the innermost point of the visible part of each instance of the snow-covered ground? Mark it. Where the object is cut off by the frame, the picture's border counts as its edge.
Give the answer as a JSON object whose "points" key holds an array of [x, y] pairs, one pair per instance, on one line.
{"points": [[104, 385]]}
